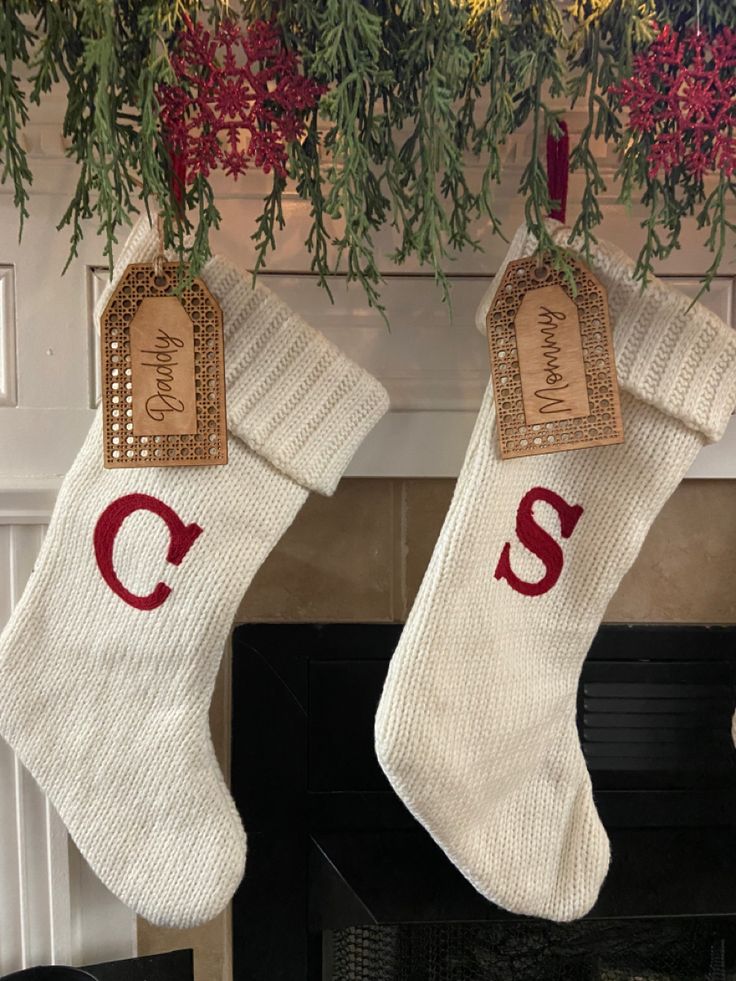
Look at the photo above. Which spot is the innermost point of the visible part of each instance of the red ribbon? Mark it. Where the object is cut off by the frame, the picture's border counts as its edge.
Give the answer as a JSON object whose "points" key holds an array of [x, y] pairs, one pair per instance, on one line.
{"points": [[178, 178], [558, 170]]}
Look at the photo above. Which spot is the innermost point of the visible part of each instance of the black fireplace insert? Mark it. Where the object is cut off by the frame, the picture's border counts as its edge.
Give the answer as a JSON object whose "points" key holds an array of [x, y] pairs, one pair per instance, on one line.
{"points": [[342, 884]]}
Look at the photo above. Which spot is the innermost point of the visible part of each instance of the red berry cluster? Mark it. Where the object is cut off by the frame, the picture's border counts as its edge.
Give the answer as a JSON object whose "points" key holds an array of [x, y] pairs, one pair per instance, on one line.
{"points": [[682, 94], [239, 98]]}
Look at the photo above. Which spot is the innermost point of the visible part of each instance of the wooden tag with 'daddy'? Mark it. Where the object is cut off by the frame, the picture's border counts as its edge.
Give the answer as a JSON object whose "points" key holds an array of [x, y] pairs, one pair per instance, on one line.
{"points": [[163, 375], [552, 361]]}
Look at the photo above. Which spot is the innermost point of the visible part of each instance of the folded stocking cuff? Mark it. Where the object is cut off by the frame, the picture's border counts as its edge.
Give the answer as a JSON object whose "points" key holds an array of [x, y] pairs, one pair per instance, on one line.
{"points": [[674, 354], [292, 396]]}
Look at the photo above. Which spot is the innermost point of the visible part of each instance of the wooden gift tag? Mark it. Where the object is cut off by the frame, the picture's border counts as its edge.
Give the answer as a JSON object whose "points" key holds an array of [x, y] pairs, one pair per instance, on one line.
{"points": [[163, 373], [552, 361]]}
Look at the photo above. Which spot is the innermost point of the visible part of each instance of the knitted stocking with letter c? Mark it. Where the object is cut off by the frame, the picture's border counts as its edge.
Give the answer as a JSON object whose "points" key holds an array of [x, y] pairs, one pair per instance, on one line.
{"points": [[108, 662]]}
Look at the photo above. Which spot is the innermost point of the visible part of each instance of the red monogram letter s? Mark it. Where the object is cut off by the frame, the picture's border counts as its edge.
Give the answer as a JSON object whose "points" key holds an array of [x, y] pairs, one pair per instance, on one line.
{"points": [[538, 541], [106, 530]]}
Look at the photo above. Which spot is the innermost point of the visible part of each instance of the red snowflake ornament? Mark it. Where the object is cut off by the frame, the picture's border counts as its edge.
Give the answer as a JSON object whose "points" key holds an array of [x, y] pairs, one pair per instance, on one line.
{"points": [[239, 98], [682, 94]]}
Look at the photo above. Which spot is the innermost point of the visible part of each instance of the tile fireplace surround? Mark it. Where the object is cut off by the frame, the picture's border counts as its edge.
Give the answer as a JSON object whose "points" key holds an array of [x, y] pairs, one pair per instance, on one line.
{"points": [[360, 556]]}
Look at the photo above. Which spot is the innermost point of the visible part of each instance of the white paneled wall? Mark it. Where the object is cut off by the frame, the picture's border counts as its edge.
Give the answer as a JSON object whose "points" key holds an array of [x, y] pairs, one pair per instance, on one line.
{"points": [[34, 867], [52, 907]]}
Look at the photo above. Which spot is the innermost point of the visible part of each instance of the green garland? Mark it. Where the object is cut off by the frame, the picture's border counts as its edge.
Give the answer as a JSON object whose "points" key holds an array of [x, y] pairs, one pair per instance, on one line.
{"points": [[415, 89]]}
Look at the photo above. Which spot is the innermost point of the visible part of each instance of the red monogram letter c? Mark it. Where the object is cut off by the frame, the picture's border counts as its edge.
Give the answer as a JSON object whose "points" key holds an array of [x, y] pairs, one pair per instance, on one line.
{"points": [[538, 541], [106, 530]]}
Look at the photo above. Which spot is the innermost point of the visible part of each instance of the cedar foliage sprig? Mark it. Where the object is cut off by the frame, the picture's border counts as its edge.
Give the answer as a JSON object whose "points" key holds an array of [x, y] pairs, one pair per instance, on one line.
{"points": [[416, 90], [17, 40]]}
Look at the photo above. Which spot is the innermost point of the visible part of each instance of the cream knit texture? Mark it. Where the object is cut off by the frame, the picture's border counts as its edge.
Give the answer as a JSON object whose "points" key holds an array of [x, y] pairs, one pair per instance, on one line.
{"points": [[107, 705], [476, 725]]}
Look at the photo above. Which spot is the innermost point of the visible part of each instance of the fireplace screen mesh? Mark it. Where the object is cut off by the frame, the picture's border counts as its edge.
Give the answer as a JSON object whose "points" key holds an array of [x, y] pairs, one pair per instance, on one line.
{"points": [[592, 950]]}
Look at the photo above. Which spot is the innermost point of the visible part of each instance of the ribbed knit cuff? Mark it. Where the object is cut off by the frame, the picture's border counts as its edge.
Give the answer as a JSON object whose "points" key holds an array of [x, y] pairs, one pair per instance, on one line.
{"points": [[292, 396], [677, 356]]}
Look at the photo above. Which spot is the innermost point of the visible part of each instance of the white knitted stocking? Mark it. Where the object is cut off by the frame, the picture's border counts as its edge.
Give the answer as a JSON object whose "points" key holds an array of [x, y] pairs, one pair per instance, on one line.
{"points": [[107, 703], [476, 725]]}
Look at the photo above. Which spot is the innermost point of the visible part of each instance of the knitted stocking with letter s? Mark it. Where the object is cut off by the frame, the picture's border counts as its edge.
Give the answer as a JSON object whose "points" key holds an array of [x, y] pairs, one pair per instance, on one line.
{"points": [[108, 662], [476, 725]]}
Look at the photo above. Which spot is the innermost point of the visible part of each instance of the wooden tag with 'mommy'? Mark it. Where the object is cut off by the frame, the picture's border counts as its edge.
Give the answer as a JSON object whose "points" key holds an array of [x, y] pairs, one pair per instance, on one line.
{"points": [[163, 375], [552, 361]]}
